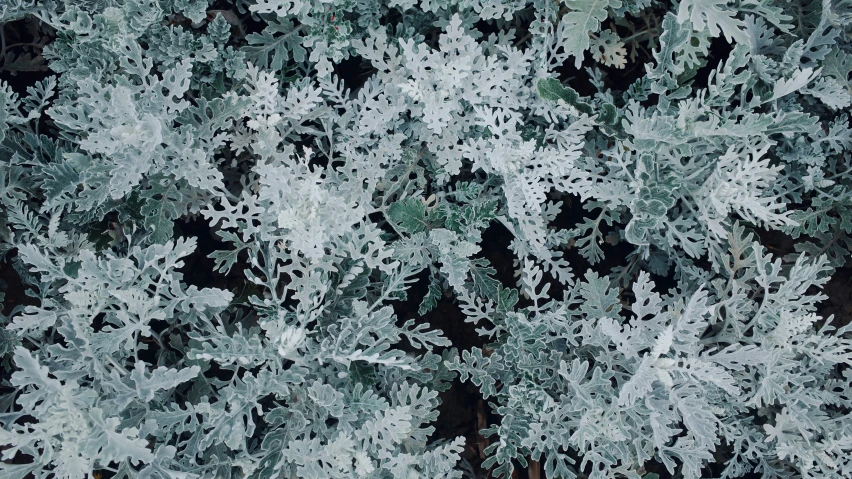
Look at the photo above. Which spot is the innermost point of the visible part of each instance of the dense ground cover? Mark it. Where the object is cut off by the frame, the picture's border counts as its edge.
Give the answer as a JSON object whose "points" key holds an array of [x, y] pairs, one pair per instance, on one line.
{"points": [[417, 239]]}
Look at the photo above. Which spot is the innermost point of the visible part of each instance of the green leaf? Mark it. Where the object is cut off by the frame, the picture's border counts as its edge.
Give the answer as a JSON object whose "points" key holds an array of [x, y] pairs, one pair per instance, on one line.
{"points": [[532, 132], [208, 117], [409, 215], [677, 57], [194, 10], [363, 372], [608, 114], [838, 65], [60, 178], [481, 272], [484, 284], [262, 45], [470, 220], [552, 89], [588, 236], [814, 220], [219, 29], [466, 191], [507, 298], [161, 209], [432, 296]]}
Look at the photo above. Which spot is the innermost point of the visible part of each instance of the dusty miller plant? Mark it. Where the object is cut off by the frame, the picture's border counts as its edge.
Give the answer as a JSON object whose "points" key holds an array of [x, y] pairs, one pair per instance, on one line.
{"points": [[698, 349]]}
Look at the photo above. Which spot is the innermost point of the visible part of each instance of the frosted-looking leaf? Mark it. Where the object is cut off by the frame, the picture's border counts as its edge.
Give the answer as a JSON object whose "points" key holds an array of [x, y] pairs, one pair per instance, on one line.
{"points": [[798, 81], [583, 17], [609, 50], [160, 378], [715, 15]]}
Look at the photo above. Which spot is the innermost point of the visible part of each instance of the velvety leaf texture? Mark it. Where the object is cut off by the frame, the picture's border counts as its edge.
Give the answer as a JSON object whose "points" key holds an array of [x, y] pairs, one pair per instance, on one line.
{"points": [[417, 239]]}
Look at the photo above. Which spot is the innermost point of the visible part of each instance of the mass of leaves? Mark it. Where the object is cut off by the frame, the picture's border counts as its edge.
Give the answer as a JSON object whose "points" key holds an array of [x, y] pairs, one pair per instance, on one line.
{"points": [[240, 228]]}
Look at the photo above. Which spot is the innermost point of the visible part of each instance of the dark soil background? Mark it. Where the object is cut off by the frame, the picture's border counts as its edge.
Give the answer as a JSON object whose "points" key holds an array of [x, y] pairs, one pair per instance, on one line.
{"points": [[463, 412]]}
